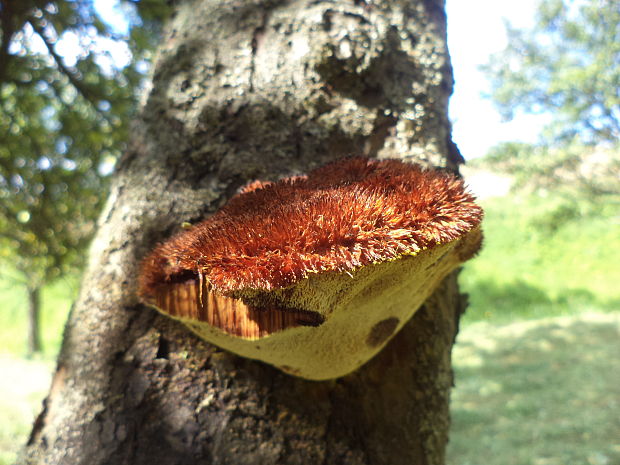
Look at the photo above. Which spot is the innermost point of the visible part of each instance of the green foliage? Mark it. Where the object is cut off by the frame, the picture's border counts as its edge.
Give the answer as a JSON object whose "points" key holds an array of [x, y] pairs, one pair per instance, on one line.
{"points": [[568, 65], [64, 119]]}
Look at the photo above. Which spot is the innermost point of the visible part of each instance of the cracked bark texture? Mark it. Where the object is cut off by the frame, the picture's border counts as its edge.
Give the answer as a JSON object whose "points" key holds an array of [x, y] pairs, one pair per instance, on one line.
{"points": [[243, 90]]}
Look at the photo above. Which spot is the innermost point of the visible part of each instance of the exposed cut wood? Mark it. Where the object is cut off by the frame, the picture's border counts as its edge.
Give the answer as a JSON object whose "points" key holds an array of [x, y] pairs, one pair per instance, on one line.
{"points": [[187, 300]]}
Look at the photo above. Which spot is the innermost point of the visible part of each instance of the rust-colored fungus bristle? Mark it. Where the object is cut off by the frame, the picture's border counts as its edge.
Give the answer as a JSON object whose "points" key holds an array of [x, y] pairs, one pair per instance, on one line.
{"points": [[316, 256], [344, 215]]}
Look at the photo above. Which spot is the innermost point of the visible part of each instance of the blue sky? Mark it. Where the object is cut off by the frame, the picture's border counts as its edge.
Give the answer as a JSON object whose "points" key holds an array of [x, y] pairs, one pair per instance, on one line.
{"points": [[475, 31]]}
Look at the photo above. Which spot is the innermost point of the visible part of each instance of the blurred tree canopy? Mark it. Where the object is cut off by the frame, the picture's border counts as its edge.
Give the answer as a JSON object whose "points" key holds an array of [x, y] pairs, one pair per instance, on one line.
{"points": [[68, 88], [567, 65]]}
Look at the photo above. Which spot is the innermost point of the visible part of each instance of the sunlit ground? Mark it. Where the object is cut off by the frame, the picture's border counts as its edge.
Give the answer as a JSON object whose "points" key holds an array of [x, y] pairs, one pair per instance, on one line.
{"points": [[543, 392], [23, 385]]}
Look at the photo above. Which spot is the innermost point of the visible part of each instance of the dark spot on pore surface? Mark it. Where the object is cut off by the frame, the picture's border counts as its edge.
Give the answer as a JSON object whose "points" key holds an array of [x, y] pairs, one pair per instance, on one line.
{"points": [[382, 331]]}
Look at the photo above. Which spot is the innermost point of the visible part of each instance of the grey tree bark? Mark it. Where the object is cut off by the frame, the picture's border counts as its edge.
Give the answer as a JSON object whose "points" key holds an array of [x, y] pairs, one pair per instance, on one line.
{"points": [[244, 90]]}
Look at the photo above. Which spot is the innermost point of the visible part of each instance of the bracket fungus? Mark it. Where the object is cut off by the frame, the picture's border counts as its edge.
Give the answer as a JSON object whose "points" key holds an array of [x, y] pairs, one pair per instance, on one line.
{"points": [[315, 274]]}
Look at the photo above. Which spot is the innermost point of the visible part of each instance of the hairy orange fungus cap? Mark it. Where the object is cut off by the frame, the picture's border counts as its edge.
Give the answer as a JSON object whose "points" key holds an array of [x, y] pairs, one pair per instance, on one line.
{"points": [[276, 271]]}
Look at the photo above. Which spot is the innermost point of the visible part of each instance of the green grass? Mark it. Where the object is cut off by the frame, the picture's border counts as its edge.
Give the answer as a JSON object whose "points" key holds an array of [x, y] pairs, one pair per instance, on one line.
{"points": [[544, 257], [534, 390], [543, 392], [24, 383]]}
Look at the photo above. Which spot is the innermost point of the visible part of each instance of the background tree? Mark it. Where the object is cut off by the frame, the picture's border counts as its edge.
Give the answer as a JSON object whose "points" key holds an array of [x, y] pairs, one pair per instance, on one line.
{"points": [[65, 108], [566, 65], [246, 90]]}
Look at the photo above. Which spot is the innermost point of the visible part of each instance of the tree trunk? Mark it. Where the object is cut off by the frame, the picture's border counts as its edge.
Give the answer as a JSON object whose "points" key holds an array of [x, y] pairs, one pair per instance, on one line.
{"points": [[34, 310], [244, 90]]}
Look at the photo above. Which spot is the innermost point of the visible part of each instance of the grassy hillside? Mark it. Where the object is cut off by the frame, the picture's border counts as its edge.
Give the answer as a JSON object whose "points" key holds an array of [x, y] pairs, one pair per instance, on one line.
{"points": [[544, 256]]}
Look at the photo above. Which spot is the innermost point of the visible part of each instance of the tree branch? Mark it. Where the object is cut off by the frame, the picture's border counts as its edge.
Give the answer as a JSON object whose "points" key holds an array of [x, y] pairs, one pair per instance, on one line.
{"points": [[71, 75]]}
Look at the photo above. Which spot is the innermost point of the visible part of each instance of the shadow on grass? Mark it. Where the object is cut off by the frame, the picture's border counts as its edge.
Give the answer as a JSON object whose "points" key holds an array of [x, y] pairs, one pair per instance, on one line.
{"points": [[541, 392], [519, 299]]}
